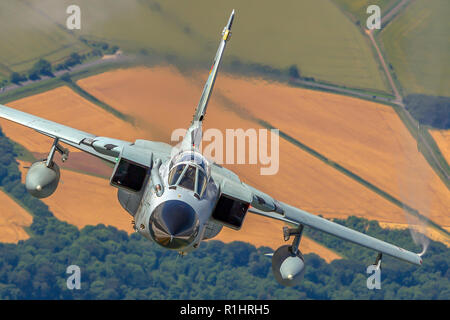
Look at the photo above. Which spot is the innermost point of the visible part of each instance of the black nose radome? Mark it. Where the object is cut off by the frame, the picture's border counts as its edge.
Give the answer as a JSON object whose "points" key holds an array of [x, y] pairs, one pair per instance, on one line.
{"points": [[174, 224]]}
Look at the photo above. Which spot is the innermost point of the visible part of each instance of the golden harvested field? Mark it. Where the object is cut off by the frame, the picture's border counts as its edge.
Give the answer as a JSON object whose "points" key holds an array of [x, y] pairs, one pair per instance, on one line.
{"points": [[161, 99], [165, 99], [64, 106], [365, 137], [13, 220], [75, 186], [442, 138]]}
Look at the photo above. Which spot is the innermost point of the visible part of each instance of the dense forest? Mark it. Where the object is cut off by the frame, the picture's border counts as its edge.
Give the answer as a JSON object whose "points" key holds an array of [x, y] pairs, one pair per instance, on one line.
{"points": [[429, 110], [115, 265]]}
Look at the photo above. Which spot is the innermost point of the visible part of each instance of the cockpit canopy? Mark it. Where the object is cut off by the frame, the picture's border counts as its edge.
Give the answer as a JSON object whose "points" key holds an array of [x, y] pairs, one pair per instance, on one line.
{"points": [[190, 170]]}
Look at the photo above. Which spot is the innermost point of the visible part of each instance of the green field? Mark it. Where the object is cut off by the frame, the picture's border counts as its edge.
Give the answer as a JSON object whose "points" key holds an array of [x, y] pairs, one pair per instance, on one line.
{"points": [[417, 44], [315, 35], [26, 36]]}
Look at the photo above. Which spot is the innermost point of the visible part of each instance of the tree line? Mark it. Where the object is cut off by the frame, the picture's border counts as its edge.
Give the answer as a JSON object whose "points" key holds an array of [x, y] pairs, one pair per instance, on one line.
{"points": [[44, 68]]}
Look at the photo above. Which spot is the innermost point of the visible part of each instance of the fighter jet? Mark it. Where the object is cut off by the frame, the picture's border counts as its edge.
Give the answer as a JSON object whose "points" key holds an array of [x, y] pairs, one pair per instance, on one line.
{"points": [[177, 197]]}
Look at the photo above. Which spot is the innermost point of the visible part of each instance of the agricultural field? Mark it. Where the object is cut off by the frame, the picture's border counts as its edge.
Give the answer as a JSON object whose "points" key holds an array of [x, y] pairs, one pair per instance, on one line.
{"points": [[442, 139], [66, 107], [365, 137], [417, 45], [80, 176], [27, 35], [13, 220], [156, 95], [162, 99], [317, 36], [347, 130], [178, 96]]}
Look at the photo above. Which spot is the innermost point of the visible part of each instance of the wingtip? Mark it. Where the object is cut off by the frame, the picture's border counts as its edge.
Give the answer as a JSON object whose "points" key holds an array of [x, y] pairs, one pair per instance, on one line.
{"points": [[419, 261]]}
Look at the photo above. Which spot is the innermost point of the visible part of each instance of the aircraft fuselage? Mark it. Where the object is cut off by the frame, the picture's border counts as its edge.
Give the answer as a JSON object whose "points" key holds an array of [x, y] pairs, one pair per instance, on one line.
{"points": [[176, 217]]}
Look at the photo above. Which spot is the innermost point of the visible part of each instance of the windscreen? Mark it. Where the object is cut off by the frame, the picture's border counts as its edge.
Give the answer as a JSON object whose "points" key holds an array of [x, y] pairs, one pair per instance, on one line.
{"points": [[175, 174], [190, 170], [191, 157], [188, 179]]}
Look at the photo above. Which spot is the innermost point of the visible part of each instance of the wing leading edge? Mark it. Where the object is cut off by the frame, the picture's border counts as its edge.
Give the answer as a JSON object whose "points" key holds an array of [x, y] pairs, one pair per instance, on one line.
{"points": [[105, 148], [49, 128]]}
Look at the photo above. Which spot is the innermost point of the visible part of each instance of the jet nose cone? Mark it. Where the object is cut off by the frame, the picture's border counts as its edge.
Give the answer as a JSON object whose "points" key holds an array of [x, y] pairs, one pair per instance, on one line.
{"points": [[178, 220], [174, 224]]}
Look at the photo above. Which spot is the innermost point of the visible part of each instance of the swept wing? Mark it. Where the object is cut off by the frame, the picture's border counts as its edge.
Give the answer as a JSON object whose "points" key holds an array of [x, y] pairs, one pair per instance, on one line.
{"points": [[102, 147]]}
